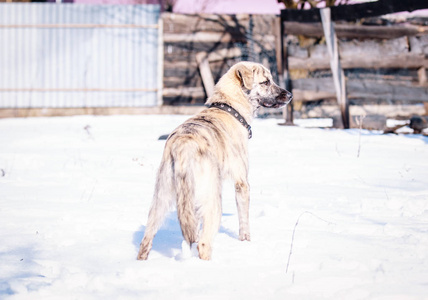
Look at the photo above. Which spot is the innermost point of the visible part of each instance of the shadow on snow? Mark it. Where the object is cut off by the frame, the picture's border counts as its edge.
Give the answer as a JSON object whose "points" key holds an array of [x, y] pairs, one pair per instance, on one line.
{"points": [[168, 239]]}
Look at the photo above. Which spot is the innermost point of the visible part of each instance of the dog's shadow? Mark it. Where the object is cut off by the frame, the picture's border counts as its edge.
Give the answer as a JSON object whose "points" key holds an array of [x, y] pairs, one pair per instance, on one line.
{"points": [[168, 239]]}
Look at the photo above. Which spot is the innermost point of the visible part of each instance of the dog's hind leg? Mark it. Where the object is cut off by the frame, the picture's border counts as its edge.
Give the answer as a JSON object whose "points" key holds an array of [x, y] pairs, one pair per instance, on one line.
{"points": [[210, 226], [209, 197], [160, 206], [242, 192]]}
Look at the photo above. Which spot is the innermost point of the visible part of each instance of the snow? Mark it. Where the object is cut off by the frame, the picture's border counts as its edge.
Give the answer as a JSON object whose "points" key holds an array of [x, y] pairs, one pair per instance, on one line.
{"points": [[335, 214]]}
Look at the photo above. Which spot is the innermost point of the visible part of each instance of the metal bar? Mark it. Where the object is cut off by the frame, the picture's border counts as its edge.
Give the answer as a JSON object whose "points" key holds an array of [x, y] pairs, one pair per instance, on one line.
{"points": [[160, 57], [75, 90], [151, 26]]}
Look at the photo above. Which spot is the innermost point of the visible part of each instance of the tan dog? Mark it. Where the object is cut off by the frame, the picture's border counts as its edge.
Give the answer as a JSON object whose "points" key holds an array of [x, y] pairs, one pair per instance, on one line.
{"points": [[205, 150]]}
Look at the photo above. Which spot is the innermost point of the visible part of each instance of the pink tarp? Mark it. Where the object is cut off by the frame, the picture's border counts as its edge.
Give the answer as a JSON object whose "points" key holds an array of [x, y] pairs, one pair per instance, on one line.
{"points": [[116, 1], [227, 7]]}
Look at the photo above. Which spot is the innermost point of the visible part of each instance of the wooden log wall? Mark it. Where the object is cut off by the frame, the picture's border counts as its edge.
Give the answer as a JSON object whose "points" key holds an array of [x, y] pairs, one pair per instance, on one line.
{"points": [[224, 39], [385, 62], [382, 62]]}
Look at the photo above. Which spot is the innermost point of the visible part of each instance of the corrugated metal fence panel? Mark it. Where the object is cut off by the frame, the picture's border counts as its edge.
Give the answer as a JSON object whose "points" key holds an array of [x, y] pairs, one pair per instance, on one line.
{"points": [[70, 55]]}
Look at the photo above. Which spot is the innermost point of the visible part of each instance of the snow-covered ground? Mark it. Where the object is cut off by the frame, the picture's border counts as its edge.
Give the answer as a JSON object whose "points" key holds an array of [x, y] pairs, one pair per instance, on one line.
{"points": [[335, 214]]}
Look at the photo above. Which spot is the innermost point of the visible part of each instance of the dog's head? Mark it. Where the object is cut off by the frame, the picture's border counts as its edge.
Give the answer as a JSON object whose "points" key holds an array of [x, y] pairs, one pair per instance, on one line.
{"points": [[258, 85]]}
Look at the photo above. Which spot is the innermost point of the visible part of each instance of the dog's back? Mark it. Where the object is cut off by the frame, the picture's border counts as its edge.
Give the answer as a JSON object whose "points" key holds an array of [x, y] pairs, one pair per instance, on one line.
{"points": [[197, 152]]}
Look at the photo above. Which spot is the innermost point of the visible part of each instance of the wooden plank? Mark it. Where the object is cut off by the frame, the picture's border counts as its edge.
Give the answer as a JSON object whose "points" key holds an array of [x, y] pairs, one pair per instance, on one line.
{"points": [[199, 37], [223, 54], [173, 82], [362, 60], [355, 30], [180, 72], [179, 23], [301, 94], [214, 37], [310, 89], [191, 92], [372, 47], [204, 69]]}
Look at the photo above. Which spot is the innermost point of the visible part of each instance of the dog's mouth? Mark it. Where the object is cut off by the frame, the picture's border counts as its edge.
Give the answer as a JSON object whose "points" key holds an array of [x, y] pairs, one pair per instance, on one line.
{"points": [[281, 100]]}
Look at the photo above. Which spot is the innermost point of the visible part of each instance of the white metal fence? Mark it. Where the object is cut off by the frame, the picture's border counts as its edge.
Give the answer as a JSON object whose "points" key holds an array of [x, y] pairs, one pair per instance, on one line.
{"points": [[71, 55]]}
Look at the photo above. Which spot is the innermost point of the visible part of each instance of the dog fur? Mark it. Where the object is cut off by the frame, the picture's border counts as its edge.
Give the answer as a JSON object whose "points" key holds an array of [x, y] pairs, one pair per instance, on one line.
{"points": [[206, 149]]}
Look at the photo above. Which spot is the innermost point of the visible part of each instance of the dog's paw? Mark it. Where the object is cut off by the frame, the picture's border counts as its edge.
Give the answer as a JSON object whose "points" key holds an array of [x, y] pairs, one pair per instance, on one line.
{"points": [[245, 236], [142, 256], [144, 251], [204, 250]]}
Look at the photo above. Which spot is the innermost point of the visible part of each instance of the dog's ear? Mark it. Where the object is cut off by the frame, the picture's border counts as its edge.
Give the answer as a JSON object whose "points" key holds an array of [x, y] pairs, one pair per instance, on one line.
{"points": [[245, 75]]}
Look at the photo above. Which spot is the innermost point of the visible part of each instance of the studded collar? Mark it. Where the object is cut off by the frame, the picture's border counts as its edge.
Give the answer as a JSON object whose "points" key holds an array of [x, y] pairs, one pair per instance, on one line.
{"points": [[235, 113]]}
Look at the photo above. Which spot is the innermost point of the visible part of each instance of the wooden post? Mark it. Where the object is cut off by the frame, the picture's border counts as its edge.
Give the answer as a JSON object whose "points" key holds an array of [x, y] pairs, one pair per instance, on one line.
{"points": [[284, 76], [336, 68]]}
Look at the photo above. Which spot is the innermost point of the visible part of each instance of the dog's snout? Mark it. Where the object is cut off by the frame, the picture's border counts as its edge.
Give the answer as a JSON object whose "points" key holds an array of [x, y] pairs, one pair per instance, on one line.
{"points": [[285, 96]]}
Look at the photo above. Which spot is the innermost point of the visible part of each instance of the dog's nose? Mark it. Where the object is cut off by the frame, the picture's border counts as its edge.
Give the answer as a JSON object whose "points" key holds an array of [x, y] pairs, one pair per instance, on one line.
{"points": [[286, 96], [289, 96]]}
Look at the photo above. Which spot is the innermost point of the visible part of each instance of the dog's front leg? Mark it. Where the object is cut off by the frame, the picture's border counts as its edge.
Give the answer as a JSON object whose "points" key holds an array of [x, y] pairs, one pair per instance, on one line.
{"points": [[242, 192]]}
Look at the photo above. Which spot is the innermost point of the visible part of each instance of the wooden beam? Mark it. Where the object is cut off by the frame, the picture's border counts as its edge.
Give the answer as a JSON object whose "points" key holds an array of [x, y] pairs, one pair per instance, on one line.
{"points": [[312, 89], [336, 68], [354, 12], [355, 31], [363, 60]]}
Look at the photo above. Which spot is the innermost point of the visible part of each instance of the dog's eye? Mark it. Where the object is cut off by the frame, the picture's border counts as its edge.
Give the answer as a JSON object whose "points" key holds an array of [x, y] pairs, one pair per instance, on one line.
{"points": [[267, 82]]}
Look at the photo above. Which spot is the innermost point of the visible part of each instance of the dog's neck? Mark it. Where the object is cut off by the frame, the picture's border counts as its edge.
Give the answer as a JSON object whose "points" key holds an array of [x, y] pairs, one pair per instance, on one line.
{"points": [[244, 107], [229, 109]]}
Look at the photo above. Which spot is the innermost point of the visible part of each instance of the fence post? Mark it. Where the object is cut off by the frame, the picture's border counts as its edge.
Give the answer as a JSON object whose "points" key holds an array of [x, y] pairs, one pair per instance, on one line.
{"points": [[284, 76], [336, 68]]}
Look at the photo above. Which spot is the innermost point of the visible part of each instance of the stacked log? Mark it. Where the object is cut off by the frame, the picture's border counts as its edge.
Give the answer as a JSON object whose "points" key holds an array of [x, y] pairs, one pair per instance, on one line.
{"points": [[396, 48], [385, 63]]}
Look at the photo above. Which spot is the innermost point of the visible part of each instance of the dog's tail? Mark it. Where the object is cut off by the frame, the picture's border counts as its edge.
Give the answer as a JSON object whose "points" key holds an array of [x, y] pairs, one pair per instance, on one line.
{"points": [[183, 158]]}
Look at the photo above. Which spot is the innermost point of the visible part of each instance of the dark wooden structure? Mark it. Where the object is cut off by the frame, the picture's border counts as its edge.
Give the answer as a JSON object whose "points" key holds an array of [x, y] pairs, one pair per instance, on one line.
{"points": [[194, 43], [354, 12], [373, 52]]}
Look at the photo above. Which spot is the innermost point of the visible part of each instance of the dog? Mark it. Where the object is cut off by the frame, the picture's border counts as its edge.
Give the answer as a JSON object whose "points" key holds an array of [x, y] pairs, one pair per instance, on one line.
{"points": [[207, 149]]}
